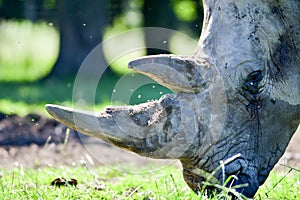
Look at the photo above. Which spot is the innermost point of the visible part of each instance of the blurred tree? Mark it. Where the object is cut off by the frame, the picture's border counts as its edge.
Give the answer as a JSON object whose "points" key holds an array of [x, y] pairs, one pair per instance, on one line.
{"points": [[171, 14], [11, 9], [115, 8], [81, 25], [32, 10], [190, 15], [158, 13]]}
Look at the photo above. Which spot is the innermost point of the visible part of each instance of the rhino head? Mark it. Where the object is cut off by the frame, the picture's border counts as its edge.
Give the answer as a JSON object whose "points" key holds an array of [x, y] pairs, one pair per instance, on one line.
{"points": [[236, 100]]}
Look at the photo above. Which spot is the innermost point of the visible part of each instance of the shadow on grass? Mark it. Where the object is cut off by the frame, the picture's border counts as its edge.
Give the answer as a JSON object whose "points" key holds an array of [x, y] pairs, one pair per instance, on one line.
{"points": [[24, 98]]}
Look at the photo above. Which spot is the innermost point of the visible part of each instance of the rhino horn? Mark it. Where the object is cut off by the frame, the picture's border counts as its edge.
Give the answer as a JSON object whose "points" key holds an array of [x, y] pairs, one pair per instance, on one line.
{"points": [[154, 129], [82, 121], [188, 74]]}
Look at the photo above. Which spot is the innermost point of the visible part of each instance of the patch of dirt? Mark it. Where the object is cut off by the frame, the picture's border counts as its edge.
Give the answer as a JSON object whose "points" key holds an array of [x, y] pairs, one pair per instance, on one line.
{"points": [[35, 141]]}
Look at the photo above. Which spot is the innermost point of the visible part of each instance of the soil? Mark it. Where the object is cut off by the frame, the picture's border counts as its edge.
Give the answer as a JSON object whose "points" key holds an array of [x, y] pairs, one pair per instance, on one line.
{"points": [[36, 141]]}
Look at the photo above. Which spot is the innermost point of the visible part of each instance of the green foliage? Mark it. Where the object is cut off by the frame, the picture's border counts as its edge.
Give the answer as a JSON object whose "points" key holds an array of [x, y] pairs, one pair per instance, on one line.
{"points": [[185, 10], [121, 44], [28, 51], [49, 4]]}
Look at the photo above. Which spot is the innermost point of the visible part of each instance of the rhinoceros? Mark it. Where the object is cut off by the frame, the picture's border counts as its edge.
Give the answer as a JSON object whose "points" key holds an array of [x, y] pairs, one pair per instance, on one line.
{"points": [[236, 100]]}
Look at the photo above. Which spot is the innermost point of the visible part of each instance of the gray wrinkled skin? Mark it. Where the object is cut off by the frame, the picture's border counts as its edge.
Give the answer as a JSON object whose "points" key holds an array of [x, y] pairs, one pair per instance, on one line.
{"points": [[238, 97]]}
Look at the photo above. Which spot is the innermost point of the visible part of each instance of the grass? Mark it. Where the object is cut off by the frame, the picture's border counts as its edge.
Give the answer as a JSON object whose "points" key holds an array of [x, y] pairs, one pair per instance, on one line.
{"points": [[25, 98], [109, 183], [281, 185], [96, 183]]}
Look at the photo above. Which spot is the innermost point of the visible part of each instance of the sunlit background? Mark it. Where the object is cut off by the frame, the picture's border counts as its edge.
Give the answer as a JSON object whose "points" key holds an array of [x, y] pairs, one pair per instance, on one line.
{"points": [[44, 42]]}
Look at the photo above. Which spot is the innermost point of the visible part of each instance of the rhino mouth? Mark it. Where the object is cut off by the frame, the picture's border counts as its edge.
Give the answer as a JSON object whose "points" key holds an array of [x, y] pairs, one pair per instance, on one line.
{"points": [[234, 173]]}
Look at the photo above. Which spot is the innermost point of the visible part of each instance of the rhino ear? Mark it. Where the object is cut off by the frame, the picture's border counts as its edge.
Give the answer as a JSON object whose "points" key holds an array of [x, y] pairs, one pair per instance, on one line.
{"points": [[178, 73]]}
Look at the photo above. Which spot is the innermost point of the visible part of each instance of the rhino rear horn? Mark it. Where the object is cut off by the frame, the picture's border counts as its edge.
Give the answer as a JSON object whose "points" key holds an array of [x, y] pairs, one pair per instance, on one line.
{"points": [[178, 73]]}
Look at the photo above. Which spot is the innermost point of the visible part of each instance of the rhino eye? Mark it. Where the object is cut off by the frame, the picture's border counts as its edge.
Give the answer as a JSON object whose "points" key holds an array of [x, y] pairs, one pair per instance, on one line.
{"points": [[252, 83], [255, 76]]}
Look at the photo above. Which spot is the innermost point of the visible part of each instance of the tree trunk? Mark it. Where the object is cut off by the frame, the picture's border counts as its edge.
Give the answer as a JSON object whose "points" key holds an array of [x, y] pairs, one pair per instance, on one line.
{"points": [[158, 14], [30, 10], [11, 9], [81, 25]]}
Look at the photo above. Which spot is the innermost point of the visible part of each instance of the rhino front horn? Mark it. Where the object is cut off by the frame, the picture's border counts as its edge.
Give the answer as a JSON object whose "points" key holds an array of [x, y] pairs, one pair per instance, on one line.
{"points": [[158, 129]]}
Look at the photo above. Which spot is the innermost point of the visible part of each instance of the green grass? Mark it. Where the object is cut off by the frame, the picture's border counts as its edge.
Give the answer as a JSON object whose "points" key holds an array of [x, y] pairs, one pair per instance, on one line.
{"points": [[109, 183], [27, 51], [281, 185], [24, 98]]}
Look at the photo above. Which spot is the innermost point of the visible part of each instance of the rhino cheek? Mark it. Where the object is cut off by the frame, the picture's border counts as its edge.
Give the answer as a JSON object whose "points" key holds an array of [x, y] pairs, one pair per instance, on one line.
{"points": [[261, 139]]}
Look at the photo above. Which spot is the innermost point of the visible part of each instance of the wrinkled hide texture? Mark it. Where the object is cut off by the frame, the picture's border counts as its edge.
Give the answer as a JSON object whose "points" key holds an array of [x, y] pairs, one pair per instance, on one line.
{"points": [[237, 103]]}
